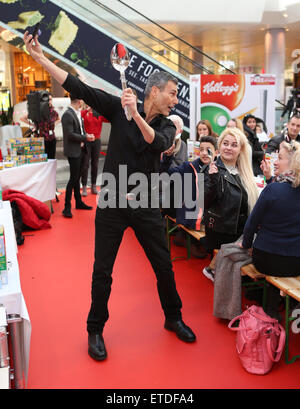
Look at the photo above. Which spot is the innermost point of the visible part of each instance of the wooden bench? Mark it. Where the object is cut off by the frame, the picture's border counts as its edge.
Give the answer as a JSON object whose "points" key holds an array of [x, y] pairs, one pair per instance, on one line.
{"points": [[250, 271], [290, 287], [189, 232]]}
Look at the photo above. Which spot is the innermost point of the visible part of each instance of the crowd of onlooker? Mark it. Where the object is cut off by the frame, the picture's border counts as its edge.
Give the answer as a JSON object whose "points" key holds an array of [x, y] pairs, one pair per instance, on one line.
{"points": [[264, 221]]}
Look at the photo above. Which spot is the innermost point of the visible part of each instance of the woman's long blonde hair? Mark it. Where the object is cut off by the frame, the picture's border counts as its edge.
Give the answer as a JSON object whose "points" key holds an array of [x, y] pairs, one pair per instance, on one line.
{"points": [[244, 164]]}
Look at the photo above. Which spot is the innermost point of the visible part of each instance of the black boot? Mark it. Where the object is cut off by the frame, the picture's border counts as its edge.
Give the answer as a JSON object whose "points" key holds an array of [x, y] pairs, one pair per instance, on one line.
{"points": [[273, 302], [97, 348]]}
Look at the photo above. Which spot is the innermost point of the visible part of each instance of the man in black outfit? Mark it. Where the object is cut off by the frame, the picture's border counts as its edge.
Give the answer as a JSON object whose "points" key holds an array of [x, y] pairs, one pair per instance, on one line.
{"points": [[137, 144], [74, 138]]}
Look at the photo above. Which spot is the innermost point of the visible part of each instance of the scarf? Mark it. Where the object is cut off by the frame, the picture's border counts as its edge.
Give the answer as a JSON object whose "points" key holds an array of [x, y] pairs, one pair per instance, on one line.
{"points": [[287, 176]]}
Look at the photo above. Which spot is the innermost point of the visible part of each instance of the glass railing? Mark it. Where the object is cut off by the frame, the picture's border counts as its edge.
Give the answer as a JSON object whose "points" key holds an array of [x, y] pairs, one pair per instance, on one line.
{"points": [[132, 27]]}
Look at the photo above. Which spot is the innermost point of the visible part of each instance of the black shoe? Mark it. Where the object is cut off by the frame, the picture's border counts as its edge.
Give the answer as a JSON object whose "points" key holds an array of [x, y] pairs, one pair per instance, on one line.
{"points": [[83, 206], [182, 331], [97, 347], [67, 213]]}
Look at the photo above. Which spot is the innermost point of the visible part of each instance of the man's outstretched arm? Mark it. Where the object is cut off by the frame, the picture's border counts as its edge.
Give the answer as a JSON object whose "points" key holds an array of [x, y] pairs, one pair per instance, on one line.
{"points": [[35, 50]]}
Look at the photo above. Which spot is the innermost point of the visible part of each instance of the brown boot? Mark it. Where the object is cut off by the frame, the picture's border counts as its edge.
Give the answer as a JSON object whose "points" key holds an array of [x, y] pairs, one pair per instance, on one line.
{"points": [[179, 239], [198, 251]]}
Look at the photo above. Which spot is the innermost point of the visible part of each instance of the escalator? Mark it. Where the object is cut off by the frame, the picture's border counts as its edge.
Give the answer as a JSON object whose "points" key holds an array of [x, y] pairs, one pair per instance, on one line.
{"points": [[82, 34]]}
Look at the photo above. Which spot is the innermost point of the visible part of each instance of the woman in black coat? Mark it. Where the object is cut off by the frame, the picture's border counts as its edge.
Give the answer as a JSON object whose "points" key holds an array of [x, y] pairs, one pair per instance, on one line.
{"points": [[249, 123], [230, 192]]}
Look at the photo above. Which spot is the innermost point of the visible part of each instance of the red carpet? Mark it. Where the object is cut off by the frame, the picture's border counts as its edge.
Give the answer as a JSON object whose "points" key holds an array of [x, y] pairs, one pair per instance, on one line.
{"points": [[56, 267]]}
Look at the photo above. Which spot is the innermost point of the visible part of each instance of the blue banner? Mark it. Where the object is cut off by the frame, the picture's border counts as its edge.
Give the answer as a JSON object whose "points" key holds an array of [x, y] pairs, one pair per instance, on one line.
{"points": [[84, 45]]}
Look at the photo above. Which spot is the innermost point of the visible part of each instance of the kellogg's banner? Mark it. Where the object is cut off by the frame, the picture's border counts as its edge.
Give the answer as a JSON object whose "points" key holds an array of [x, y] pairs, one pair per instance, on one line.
{"points": [[221, 97]]}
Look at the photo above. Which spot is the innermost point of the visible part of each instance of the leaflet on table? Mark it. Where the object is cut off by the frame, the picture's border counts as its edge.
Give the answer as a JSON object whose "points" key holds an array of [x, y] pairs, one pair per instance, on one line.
{"points": [[3, 261]]}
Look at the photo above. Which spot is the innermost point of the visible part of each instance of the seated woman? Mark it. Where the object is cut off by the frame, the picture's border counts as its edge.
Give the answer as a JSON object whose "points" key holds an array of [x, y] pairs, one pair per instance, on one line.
{"points": [[249, 123], [204, 128], [230, 192], [282, 164], [208, 149], [275, 220]]}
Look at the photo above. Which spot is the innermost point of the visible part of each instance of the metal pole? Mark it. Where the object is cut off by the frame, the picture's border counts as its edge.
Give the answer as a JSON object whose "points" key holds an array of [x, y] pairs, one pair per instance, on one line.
{"points": [[15, 338]]}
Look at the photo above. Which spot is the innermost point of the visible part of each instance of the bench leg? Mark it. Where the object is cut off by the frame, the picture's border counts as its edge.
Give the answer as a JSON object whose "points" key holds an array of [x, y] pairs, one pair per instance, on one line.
{"points": [[170, 230]]}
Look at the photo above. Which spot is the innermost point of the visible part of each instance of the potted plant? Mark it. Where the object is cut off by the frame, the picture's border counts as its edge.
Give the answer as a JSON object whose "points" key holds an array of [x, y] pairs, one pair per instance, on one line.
{"points": [[6, 117]]}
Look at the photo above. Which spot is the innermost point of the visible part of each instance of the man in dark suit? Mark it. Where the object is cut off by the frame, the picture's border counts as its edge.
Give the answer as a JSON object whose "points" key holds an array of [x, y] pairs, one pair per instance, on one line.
{"points": [[74, 138]]}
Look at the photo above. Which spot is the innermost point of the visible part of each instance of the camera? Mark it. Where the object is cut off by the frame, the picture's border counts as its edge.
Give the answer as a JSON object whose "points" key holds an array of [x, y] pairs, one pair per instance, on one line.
{"points": [[38, 106], [295, 92]]}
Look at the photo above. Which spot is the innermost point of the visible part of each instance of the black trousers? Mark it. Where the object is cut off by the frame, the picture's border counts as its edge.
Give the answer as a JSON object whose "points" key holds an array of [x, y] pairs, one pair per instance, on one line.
{"points": [[278, 266], [50, 148], [93, 153], [74, 181], [148, 227]]}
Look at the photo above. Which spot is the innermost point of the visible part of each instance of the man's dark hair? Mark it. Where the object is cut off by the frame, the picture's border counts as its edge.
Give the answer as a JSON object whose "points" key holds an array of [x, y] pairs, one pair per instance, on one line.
{"points": [[209, 139], [159, 79], [297, 116], [74, 97], [248, 116]]}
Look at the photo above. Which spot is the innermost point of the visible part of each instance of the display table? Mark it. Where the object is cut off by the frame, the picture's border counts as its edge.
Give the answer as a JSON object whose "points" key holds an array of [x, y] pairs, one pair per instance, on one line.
{"points": [[37, 180], [11, 295]]}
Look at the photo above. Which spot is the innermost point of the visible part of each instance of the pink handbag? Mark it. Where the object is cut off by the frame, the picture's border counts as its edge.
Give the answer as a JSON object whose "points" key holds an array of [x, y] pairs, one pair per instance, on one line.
{"points": [[260, 340]]}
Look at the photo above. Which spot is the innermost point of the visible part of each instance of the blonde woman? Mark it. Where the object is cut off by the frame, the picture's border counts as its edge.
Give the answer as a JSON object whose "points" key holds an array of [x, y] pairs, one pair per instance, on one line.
{"points": [[276, 220], [282, 164], [235, 123], [230, 192]]}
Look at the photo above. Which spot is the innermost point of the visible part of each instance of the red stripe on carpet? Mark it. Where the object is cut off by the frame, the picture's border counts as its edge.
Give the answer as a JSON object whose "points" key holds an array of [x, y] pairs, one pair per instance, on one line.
{"points": [[56, 268]]}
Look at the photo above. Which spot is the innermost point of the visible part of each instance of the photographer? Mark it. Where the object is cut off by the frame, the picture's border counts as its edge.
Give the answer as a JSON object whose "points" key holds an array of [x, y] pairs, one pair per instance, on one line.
{"points": [[293, 104], [45, 129]]}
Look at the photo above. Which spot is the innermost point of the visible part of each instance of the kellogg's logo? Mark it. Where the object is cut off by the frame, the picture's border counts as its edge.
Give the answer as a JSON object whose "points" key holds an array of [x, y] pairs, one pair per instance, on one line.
{"points": [[226, 90], [219, 87]]}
